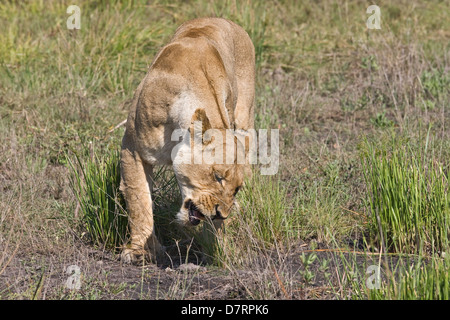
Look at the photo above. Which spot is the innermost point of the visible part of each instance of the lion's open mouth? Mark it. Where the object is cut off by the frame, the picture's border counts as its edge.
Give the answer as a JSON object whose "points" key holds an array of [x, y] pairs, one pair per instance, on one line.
{"points": [[195, 215]]}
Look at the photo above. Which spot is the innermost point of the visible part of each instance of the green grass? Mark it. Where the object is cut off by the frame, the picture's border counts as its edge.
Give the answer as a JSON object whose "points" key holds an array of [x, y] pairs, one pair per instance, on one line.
{"points": [[258, 222], [401, 277], [408, 195], [95, 184], [418, 281], [270, 221]]}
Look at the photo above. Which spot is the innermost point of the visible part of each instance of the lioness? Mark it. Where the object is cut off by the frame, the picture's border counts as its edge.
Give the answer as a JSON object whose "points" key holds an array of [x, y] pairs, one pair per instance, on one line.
{"points": [[205, 73]]}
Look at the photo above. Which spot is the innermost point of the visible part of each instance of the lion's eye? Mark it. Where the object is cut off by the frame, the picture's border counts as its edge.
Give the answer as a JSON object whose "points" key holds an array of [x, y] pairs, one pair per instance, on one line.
{"points": [[218, 178]]}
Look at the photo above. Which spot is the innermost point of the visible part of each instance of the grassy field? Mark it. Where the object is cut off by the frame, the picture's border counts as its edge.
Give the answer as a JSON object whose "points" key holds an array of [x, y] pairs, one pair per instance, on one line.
{"points": [[364, 120]]}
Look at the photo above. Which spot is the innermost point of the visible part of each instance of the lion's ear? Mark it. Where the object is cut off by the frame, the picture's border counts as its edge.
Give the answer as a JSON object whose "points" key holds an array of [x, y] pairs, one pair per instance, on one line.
{"points": [[199, 118]]}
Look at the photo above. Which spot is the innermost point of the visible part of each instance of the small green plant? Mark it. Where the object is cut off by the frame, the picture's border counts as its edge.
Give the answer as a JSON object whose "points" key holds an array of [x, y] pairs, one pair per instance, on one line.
{"points": [[95, 183], [324, 269], [370, 63], [307, 260], [381, 121]]}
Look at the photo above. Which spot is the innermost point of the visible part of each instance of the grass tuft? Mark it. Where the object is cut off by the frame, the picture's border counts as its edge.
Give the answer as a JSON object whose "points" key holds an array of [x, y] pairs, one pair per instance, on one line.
{"points": [[95, 183], [408, 196]]}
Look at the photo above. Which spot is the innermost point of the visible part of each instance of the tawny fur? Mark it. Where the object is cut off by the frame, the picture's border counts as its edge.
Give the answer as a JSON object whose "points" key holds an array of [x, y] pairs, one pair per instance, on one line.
{"points": [[206, 73]]}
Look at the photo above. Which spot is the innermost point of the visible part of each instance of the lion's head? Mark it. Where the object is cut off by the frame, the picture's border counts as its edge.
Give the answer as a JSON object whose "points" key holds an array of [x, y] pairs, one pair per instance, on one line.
{"points": [[208, 172]]}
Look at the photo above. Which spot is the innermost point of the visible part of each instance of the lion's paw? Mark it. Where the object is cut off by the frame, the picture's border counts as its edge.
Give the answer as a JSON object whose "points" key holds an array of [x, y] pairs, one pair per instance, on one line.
{"points": [[141, 256], [135, 256]]}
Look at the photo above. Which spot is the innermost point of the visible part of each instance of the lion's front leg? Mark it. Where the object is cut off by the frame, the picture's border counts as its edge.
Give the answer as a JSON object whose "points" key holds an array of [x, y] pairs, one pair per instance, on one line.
{"points": [[136, 185]]}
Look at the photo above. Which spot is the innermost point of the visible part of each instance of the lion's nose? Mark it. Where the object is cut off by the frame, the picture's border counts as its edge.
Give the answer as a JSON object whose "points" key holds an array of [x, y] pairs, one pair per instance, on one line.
{"points": [[218, 214]]}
